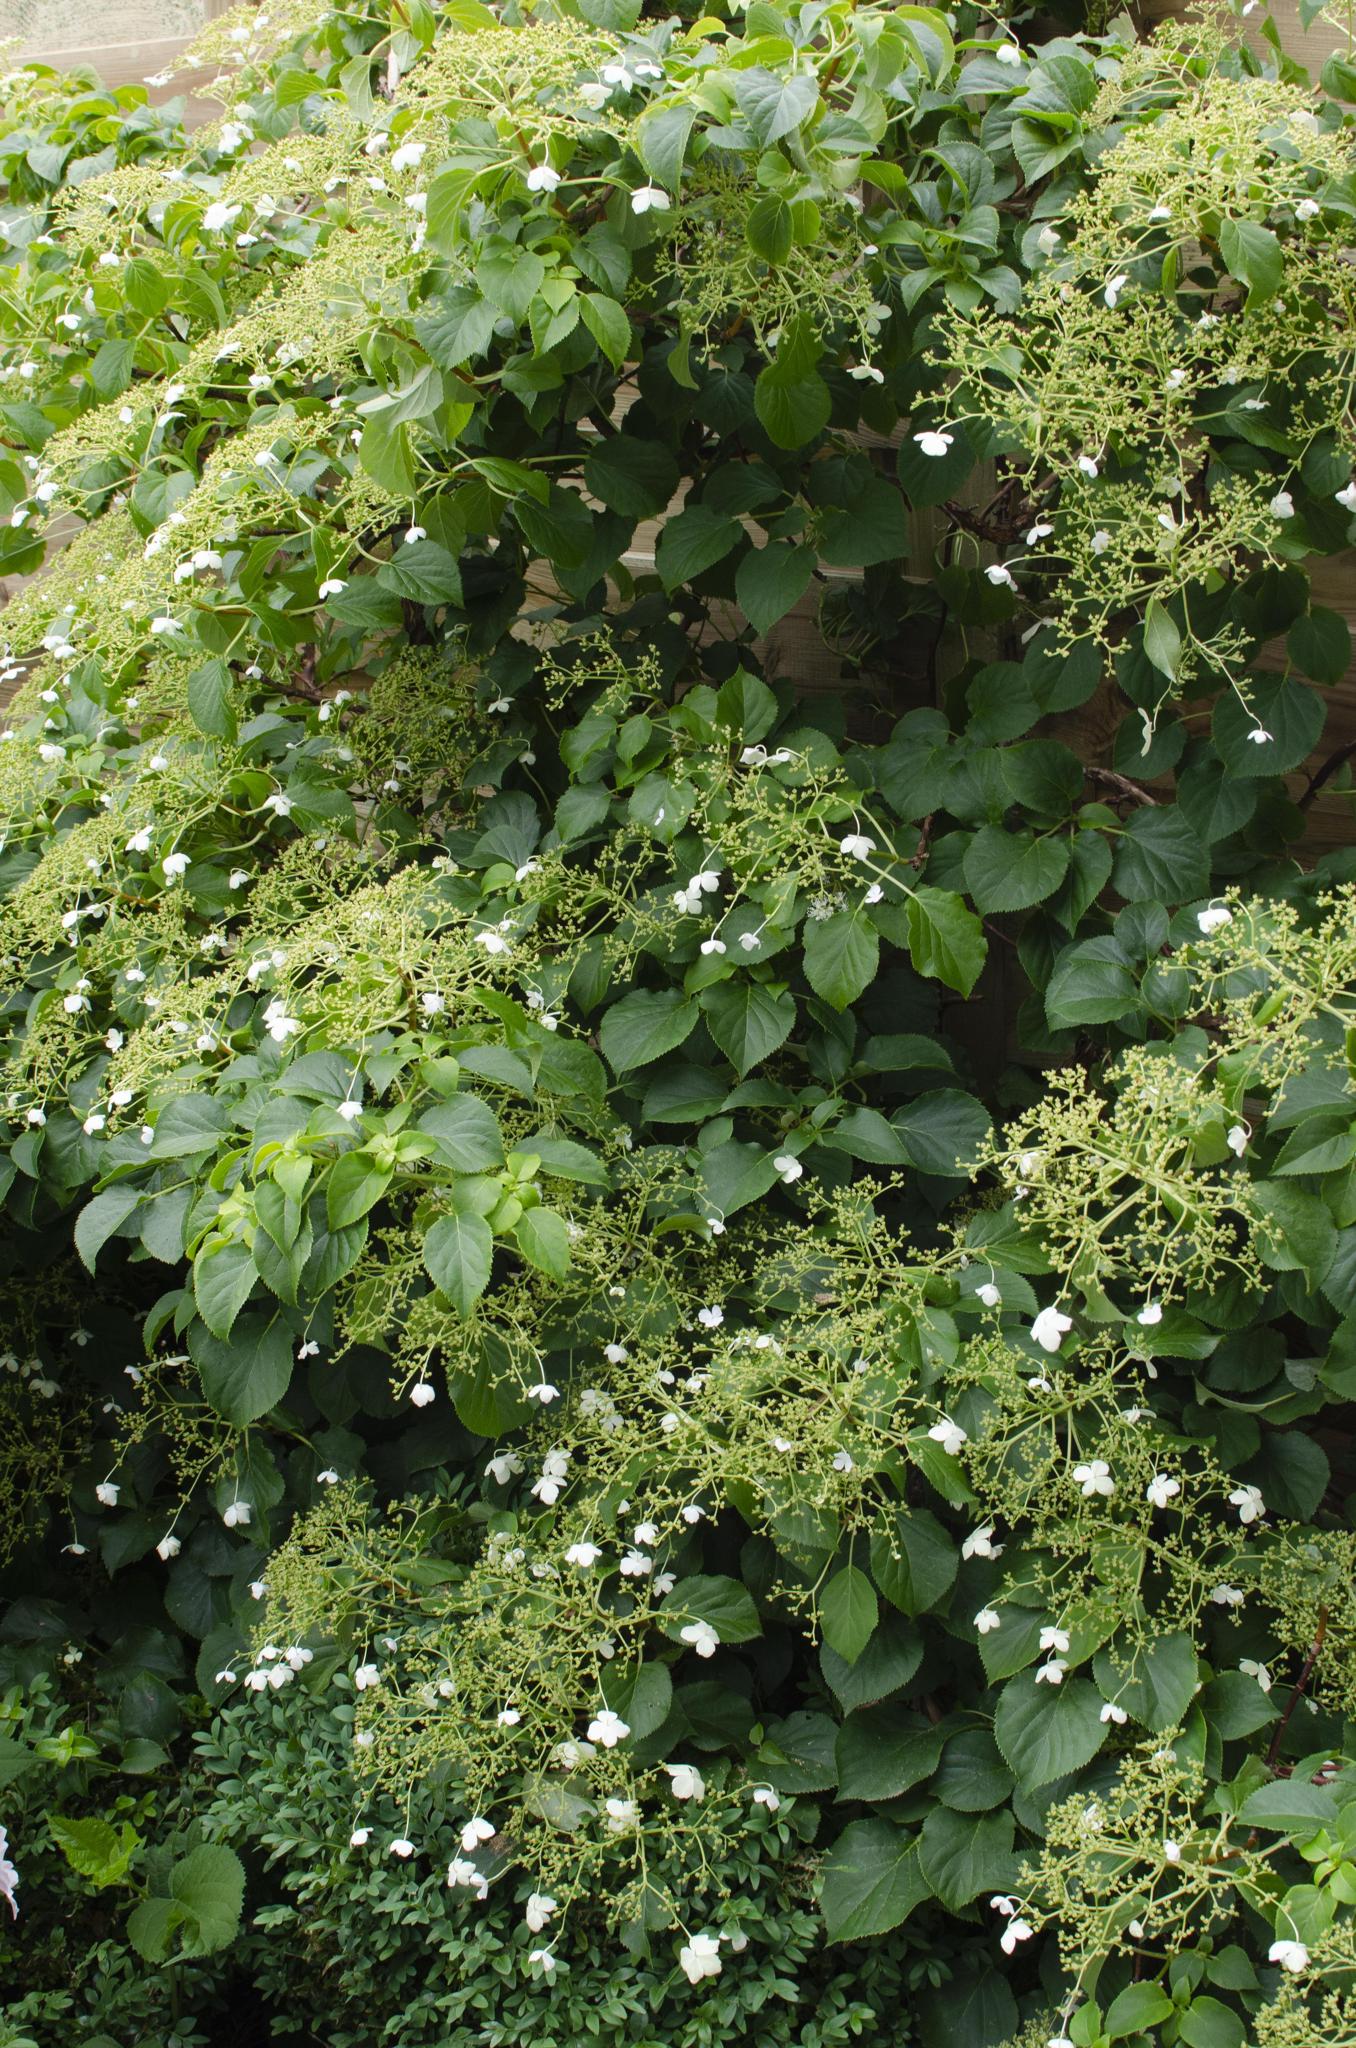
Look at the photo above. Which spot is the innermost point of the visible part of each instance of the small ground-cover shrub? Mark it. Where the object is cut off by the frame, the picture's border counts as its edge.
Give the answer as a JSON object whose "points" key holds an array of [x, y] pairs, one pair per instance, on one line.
{"points": [[648, 1493]]}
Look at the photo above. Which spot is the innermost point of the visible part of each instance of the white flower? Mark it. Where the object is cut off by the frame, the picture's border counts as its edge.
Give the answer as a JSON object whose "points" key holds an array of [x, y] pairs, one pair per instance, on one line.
{"points": [[538, 1910], [462, 1872], [1346, 497], [635, 1565], [866, 373], [106, 1493], [1282, 506], [1172, 1851], [687, 1781], [1291, 1955], [279, 1025], [1236, 1139], [401, 1847], [332, 586], [1095, 1477], [1048, 240], [168, 1547], [763, 1795], [711, 1318], [935, 442], [1054, 1638], [492, 942], [949, 1435], [1004, 1903], [1049, 1327], [1253, 1669], [218, 216], [475, 1832], [980, 1543], [988, 1294], [987, 1619], [702, 1637], [1111, 1712], [789, 1167], [1228, 1596], [409, 156], [1162, 1489], [842, 1461], [1014, 1932], [1100, 542], [542, 178], [1214, 919], [1150, 1315], [236, 1514], [608, 1729], [1008, 53], [1052, 1672], [543, 1392], [622, 1814], [360, 1838], [1308, 209], [650, 199], [1249, 1502], [616, 1354], [367, 1675], [857, 846], [1000, 576], [700, 1957], [1114, 287], [1260, 737], [1087, 466], [421, 1394]]}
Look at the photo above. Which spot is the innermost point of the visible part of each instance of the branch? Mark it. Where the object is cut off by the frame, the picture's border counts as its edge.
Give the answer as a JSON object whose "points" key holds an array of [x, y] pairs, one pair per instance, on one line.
{"points": [[1300, 1683], [1326, 772], [1122, 784]]}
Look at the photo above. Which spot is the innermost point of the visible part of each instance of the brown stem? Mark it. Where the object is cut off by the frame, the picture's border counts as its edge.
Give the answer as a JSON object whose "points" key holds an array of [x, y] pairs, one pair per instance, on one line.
{"points": [[1326, 772], [1300, 1683], [1123, 784]]}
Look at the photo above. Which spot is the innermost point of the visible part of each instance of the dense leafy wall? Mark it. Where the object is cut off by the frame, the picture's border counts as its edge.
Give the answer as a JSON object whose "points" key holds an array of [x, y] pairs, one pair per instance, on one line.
{"points": [[574, 1454]]}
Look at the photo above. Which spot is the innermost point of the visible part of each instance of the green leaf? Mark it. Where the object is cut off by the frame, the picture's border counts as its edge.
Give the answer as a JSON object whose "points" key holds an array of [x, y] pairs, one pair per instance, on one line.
{"points": [[748, 1021], [209, 700], [661, 142], [645, 1025], [946, 939], [458, 1254], [1291, 1806], [871, 1881], [848, 1612], [1159, 859], [209, 1887], [634, 477], [247, 1373], [693, 541], [792, 408], [466, 1134], [1048, 1731], [1154, 1680], [1162, 641], [722, 1603], [1289, 712], [888, 1662], [1092, 984], [841, 955], [223, 1281], [1133, 2010], [942, 1131], [962, 1854], [607, 322], [913, 1560], [99, 1220], [885, 1751], [773, 106], [95, 1848], [768, 229], [1013, 870], [1254, 257], [543, 1238], [356, 1182], [771, 580], [424, 572]]}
